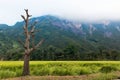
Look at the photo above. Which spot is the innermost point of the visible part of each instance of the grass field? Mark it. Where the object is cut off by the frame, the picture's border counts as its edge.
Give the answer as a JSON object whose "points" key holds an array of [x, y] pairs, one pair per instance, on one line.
{"points": [[105, 69]]}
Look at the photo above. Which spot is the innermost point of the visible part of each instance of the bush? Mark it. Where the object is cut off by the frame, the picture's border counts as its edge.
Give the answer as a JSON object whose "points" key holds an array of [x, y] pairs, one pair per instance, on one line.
{"points": [[40, 71], [18, 72], [82, 70], [58, 71], [7, 74], [107, 69]]}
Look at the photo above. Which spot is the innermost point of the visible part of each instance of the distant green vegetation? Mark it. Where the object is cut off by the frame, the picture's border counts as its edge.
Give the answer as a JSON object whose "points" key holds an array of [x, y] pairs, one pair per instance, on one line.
{"points": [[58, 68], [63, 40], [70, 52]]}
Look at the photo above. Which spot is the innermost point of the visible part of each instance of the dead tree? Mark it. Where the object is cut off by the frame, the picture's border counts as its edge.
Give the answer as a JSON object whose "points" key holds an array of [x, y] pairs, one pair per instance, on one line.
{"points": [[29, 40]]}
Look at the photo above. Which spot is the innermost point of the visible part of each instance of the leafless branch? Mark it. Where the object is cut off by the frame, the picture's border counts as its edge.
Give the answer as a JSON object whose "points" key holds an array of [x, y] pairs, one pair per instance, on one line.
{"points": [[28, 33], [26, 10], [33, 27], [23, 17], [24, 28], [21, 42], [39, 43], [33, 44]]}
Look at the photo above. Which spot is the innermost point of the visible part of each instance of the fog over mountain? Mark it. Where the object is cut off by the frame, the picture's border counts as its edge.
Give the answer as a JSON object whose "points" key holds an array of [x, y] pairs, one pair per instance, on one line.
{"points": [[84, 10]]}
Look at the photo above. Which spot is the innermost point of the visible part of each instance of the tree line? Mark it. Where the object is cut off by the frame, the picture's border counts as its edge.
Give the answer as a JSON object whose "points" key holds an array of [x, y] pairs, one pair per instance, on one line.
{"points": [[70, 52]]}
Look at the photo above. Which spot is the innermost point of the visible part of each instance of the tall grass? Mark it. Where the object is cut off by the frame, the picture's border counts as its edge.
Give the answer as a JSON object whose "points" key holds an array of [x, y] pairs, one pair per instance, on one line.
{"points": [[61, 68]]}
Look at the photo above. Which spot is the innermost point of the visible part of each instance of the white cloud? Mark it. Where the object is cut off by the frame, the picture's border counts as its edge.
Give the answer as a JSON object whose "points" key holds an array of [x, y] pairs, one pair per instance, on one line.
{"points": [[10, 10]]}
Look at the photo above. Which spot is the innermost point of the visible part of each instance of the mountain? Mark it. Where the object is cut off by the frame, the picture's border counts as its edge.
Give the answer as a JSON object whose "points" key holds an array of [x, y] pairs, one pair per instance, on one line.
{"points": [[60, 33]]}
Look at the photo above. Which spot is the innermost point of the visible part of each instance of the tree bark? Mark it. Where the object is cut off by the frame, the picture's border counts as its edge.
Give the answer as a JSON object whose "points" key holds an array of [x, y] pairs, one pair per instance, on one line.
{"points": [[26, 65], [29, 34]]}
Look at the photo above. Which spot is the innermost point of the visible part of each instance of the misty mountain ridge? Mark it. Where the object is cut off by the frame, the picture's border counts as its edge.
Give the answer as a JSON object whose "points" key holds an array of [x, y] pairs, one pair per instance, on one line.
{"points": [[61, 32], [81, 28]]}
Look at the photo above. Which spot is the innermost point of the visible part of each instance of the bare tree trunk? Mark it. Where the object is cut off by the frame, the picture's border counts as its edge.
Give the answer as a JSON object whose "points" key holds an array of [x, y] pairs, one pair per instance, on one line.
{"points": [[26, 70], [26, 44]]}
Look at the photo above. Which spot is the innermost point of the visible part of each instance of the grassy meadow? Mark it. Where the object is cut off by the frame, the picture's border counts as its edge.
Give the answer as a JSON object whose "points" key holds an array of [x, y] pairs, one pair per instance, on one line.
{"points": [[106, 69]]}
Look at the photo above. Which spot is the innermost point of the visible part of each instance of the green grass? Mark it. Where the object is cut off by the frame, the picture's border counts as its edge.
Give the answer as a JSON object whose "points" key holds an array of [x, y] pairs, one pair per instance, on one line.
{"points": [[58, 68]]}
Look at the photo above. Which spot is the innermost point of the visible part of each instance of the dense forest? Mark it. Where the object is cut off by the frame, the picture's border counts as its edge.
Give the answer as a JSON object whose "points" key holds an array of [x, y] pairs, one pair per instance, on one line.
{"points": [[71, 52], [64, 40]]}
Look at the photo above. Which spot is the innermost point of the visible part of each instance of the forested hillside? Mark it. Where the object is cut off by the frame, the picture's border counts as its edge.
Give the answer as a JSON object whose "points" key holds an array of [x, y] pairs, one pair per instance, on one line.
{"points": [[64, 40]]}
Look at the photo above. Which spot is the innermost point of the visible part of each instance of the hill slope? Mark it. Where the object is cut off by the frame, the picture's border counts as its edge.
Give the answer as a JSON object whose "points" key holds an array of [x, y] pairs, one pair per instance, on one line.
{"points": [[61, 33]]}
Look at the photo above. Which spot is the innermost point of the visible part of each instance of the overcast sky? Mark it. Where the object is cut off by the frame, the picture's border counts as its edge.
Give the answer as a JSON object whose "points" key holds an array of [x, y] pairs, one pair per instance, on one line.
{"points": [[10, 10]]}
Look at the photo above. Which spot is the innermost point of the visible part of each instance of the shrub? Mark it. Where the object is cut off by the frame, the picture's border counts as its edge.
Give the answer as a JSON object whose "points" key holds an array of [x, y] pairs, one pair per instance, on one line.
{"points": [[7, 74], [107, 69], [40, 71], [58, 71]]}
